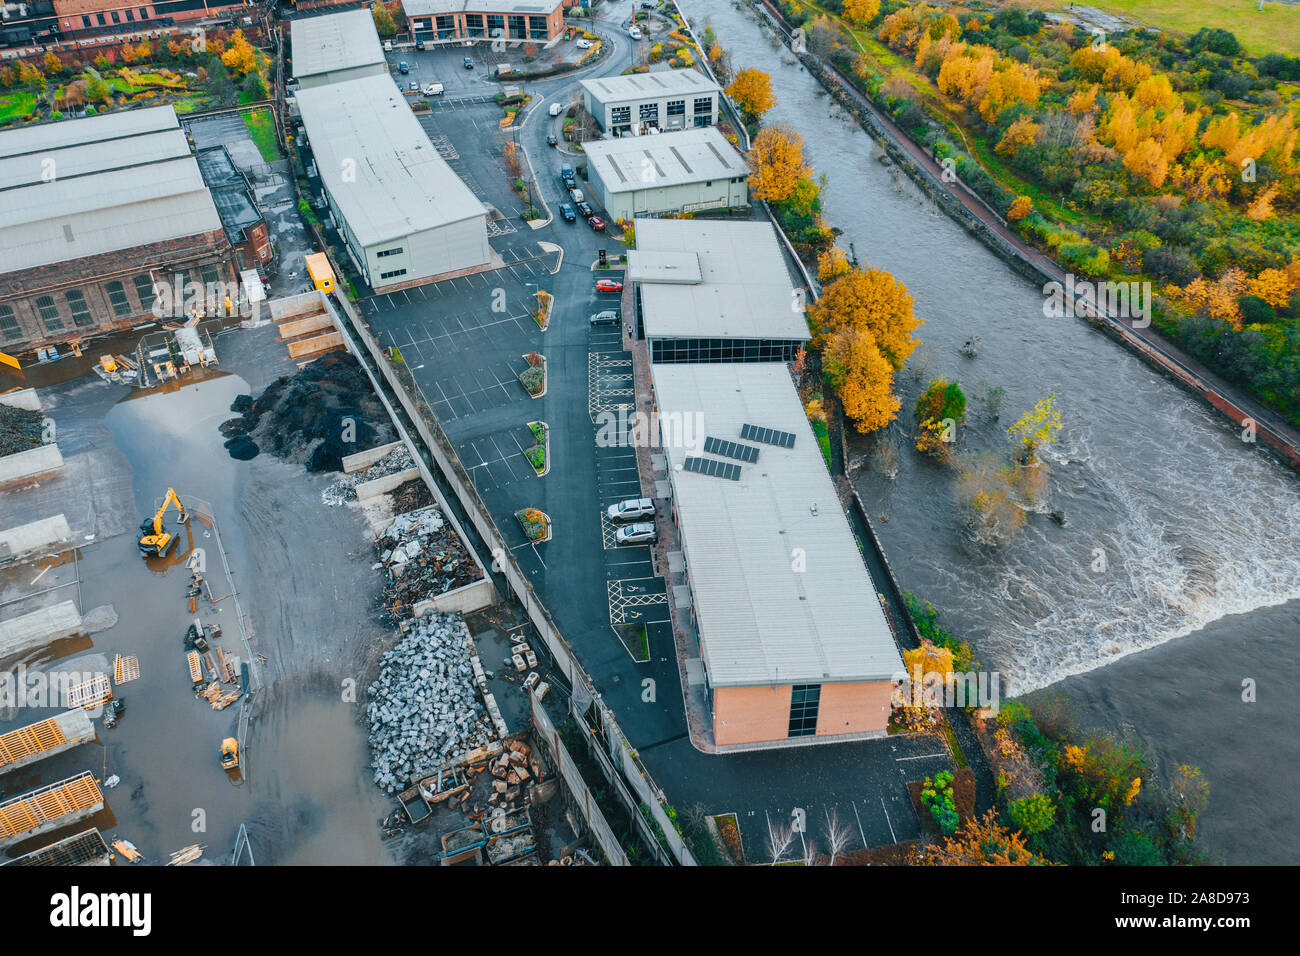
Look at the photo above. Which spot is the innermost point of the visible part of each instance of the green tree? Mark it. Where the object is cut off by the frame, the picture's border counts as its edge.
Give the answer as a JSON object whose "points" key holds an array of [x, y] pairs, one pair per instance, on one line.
{"points": [[384, 24], [1033, 814]]}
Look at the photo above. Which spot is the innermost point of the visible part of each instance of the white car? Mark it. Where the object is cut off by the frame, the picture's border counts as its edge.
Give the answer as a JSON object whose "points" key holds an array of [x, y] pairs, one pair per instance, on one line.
{"points": [[631, 509], [642, 533], [432, 89], [585, 44], [634, 33], [557, 109]]}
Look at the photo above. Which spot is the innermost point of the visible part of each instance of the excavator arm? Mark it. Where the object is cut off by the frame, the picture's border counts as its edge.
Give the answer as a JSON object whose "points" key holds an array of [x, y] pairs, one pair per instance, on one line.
{"points": [[154, 540]]}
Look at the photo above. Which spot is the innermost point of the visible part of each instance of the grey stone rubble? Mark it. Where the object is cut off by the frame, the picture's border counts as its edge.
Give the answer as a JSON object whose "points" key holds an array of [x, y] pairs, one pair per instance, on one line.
{"points": [[345, 489], [423, 708], [407, 536]]}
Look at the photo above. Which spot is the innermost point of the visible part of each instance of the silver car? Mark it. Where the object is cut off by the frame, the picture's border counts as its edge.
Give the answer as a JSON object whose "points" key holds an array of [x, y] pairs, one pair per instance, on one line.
{"points": [[642, 533], [631, 509]]}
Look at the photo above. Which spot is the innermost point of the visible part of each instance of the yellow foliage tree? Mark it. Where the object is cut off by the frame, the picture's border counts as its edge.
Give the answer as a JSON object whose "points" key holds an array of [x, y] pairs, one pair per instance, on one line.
{"points": [[1201, 179], [239, 57], [1083, 101], [1021, 208], [752, 92], [1156, 92], [1023, 132], [873, 301], [862, 378], [1037, 427], [832, 264], [1261, 207], [983, 842], [776, 159], [1147, 161], [861, 12]]}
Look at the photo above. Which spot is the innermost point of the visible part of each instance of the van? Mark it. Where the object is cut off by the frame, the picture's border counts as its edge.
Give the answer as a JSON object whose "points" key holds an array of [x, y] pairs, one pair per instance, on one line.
{"points": [[556, 109], [388, 46], [634, 33], [577, 195], [433, 89]]}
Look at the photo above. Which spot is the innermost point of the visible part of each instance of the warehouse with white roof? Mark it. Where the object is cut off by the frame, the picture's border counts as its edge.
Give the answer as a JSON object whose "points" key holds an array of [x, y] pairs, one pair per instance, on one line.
{"points": [[336, 47], [403, 213], [684, 171], [94, 212], [714, 291], [658, 100], [792, 635]]}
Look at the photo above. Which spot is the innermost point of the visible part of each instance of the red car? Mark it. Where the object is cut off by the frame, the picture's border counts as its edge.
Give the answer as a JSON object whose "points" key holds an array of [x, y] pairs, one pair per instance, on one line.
{"points": [[596, 223], [608, 285]]}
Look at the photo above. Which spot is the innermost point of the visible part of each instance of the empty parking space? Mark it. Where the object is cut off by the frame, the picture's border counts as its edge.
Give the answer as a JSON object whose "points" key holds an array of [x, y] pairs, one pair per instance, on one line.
{"points": [[609, 382], [495, 460], [637, 601]]}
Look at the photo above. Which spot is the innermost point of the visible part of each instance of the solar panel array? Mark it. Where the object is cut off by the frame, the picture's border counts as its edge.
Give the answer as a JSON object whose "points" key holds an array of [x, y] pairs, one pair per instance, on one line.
{"points": [[768, 436], [711, 466], [730, 449]]}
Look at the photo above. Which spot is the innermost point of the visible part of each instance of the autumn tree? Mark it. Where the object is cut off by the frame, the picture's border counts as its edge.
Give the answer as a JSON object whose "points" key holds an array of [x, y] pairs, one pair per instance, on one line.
{"points": [[240, 57], [832, 264], [871, 300], [751, 91], [126, 53], [861, 12], [862, 377], [1021, 208], [53, 64], [984, 842], [97, 89], [776, 159], [1023, 132], [384, 24], [939, 410], [1037, 427]]}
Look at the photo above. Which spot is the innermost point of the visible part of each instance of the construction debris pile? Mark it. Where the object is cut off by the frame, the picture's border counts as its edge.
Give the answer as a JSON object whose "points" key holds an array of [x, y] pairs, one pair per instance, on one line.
{"points": [[411, 496], [345, 489], [423, 708], [20, 429], [423, 557], [313, 418]]}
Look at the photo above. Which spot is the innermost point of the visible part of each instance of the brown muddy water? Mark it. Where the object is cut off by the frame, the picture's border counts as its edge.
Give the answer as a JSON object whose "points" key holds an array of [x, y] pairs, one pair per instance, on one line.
{"points": [[301, 575]]}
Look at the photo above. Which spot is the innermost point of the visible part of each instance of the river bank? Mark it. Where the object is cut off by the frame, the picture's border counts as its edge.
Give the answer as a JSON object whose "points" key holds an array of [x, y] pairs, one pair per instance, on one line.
{"points": [[1197, 530]]}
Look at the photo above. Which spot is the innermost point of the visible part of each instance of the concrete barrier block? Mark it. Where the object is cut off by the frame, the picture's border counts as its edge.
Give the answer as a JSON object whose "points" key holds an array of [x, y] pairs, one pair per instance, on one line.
{"points": [[378, 486], [360, 461], [24, 398], [48, 533], [28, 464], [39, 628]]}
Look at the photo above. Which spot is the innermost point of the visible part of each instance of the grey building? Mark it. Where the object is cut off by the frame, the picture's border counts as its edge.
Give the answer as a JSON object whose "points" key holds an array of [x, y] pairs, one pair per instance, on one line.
{"points": [[682, 171], [403, 213], [336, 47], [710, 291], [661, 99]]}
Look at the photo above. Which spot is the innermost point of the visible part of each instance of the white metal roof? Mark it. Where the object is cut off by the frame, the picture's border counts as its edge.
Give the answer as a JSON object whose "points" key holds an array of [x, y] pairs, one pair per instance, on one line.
{"points": [[115, 182], [761, 621], [630, 163], [377, 162], [744, 292], [647, 86], [425, 8], [336, 41]]}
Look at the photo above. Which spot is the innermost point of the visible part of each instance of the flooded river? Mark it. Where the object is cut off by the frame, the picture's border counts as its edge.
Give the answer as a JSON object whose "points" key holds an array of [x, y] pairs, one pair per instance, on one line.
{"points": [[1179, 540]]}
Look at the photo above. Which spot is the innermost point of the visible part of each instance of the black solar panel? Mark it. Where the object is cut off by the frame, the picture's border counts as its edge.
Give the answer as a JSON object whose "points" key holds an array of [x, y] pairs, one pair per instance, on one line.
{"points": [[730, 449], [768, 436], [711, 466]]}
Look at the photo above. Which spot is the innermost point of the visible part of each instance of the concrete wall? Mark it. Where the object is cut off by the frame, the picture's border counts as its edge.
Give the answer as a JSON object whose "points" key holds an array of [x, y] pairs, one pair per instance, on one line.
{"points": [[463, 600], [39, 628], [24, 398], [28, 464], [36, 536], [370, 489], [77, 729], [449, 248], [362, 460], [687, 197]]}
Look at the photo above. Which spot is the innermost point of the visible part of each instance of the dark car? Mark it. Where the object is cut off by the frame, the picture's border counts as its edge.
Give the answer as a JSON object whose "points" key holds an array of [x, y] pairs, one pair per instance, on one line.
{"points": [[567, 212], [596, 223], [419, 44], [403, 69], [552, 141], [586, 210], [608, 317], [469, 63], [570, 183]]}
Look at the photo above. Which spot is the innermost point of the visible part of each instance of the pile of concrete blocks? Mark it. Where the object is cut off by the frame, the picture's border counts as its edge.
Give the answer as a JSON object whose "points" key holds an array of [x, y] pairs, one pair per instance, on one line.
{"points": [[345, 489], [423, 558], [424, 710]]}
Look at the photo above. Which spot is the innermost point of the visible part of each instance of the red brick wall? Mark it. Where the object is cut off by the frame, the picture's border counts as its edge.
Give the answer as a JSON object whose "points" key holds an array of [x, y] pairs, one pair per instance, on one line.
{"points": [[746, 715]]}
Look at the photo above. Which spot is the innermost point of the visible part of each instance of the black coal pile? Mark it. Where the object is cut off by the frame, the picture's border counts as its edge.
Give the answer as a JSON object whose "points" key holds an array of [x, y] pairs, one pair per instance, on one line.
{"points": [[423, 557], [313, 418], [20, 429]]}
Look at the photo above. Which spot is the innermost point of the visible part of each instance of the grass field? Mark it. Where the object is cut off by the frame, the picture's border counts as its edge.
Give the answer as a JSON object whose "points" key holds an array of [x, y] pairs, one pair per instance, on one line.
{"points": [[16, 105], [260, 125], [1275, 29]]}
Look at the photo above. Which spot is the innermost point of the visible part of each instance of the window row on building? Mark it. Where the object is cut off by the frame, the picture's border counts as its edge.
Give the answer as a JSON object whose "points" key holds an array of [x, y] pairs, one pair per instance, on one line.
{"points": [[678, 351]]}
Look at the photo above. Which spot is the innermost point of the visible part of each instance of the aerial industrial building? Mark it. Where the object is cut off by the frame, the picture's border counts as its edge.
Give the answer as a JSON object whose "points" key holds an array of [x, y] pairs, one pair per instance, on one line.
{"points": [[448, 21], [658, 100], [93, 213], [684, 171], [792, 636], [402, 212], [336, 47], [714, 291]]}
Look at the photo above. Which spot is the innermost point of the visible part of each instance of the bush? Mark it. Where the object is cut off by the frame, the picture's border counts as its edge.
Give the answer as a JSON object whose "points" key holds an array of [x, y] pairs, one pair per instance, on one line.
{"points": [[533, 379], [1033, 814], [937, 796]]}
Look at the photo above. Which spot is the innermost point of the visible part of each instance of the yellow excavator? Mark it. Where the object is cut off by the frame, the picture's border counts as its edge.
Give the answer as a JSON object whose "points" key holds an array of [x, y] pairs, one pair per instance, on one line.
{"points": [[229, 754], [154, 541]]}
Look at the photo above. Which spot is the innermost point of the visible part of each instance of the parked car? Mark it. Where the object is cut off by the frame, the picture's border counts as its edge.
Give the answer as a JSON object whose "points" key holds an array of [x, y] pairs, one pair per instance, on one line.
{"points": [[642, 533], [419, 44], [584, 44], [552, 141], [567, 212], [403, 69], [648, 4], [586, 210], [413, 87], [468, 63], [433, 89], [557, 109], [569, 182], [608, 317], [631, 509], [577, 194], [609, 285], [566, 171], [596, 223], [388, 46], [634, 33]]}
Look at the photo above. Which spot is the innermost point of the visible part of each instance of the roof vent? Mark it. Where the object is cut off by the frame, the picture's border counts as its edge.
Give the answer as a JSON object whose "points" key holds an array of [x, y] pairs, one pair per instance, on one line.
{"points": [[67, 232]]}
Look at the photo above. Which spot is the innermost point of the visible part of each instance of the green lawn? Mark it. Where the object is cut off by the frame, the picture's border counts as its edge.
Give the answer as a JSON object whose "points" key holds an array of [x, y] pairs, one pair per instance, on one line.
{"points": [[1275, 29], [16, 105], [261, 125]]}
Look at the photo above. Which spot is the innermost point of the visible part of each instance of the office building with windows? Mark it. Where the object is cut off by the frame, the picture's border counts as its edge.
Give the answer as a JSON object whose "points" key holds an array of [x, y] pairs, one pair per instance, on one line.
{"points": [[714, 291], [687, 170], [94, 213], [447, 21], [792, 641], [647, 102]]}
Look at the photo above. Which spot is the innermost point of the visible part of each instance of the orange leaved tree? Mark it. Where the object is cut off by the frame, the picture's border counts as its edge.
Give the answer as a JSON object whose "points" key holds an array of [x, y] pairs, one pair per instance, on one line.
{"points": [[777, 164], [751, 91]]}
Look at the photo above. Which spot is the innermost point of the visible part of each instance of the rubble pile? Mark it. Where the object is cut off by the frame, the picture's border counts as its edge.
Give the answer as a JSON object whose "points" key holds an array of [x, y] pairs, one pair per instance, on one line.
{"points": [[423, 709], [345, 489], [423, 557], [20, 429], [411, 496], [314, 418]]}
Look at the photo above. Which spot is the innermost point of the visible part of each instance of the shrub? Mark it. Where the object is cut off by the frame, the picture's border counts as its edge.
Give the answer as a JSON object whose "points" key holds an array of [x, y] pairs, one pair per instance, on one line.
{"points": [[1033, 814], [533, 379], [937, 796]]}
